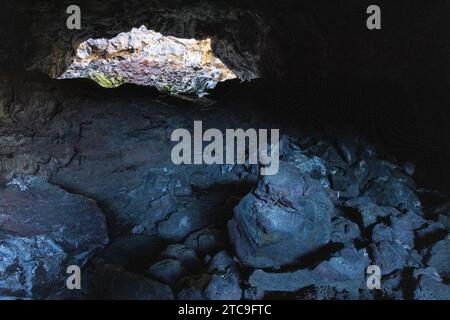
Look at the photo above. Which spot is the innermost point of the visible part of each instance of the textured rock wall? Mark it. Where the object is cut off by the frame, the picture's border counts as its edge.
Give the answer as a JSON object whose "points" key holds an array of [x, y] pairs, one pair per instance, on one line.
{"points": [[147, 58]]}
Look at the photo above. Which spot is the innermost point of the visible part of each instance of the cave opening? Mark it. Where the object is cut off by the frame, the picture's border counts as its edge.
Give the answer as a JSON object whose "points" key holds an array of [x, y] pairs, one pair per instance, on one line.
{"points": [[147, 58]]}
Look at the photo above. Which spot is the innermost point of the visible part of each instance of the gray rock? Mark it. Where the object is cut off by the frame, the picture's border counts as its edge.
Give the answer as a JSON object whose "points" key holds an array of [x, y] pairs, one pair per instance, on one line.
{"points": [[402, 228], [400, 231], [168, 271], [430, 232], [31, 267], [222, 263], [206, 241], [253, 294], [313, 166], [287, 216], [344, 231], [431, 289], [393, 193], [223, 287], [369, 211], [193, 287], [389, 256], [344, 271], [440, 257], [43, 230], [185, 255], [391, 285], [191, 294], [194, 216]]}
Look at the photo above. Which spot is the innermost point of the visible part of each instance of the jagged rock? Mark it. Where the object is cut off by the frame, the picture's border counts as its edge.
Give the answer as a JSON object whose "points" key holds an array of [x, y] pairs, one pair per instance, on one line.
{"points": [[440, 257], [353, 148], [192, 217], [191, 294], [223, 287], [349, 181], [402, 228], [399, 231], [253, 294], [430, 233], [368, 211], [222, 263], [206, 241], [146, 57], [389, 256], [44, 230], [168, 271], [344, 231], [185, 255], [193, 287], [393, 193], [313, 166], [31, 267], [287, 216], [344, 271], [431, 289], [327, 293], [391, 285]]}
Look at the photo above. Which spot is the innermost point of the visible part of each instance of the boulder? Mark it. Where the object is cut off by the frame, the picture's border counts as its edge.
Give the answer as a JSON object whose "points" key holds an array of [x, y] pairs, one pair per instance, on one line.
{"points": [[287, 216], [344, 271], [182, 253], [440, 257], [389, 256], [168, 271], [344, 231], [223, 287], [431, 289], [206, 241]]}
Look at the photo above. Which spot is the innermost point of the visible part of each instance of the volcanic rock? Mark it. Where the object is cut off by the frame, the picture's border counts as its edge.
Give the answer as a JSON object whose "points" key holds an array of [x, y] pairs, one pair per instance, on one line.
{"points": [[287, 216]]}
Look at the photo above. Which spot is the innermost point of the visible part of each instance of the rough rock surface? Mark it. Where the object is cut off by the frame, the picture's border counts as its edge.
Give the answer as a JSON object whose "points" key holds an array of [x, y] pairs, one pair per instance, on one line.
{"points": [[44, 230], [315, 74], [145, 57], [286, 217], [331, 210], [344, 271], [440, 257]]}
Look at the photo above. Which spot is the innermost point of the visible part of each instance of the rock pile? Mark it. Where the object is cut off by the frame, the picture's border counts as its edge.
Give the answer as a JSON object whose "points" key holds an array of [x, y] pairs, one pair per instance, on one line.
{"points": [[81, 174]]}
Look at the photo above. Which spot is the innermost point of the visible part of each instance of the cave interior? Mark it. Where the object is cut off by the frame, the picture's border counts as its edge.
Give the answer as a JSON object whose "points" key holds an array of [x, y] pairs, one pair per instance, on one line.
{"points": [[86, 176]]}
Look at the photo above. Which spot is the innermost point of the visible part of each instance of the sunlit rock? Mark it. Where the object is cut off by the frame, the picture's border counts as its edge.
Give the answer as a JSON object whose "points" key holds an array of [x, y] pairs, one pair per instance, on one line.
{"points": [[145, 57]]}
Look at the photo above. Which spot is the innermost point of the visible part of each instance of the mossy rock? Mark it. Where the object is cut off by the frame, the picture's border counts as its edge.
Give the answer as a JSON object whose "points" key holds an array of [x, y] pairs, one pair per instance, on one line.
{"points": [[105, 81]]}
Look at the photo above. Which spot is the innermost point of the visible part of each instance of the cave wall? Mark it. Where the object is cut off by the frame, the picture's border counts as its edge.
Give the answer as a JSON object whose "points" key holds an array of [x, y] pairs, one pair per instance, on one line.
{"points": [[313, 57]]}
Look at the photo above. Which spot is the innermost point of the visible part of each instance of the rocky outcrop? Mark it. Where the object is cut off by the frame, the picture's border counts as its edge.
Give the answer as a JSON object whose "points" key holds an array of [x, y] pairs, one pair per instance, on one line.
{"points": [[44, 230], [145, 57], [286, 217], [359, 204], [242, 49], [342, 272]]}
